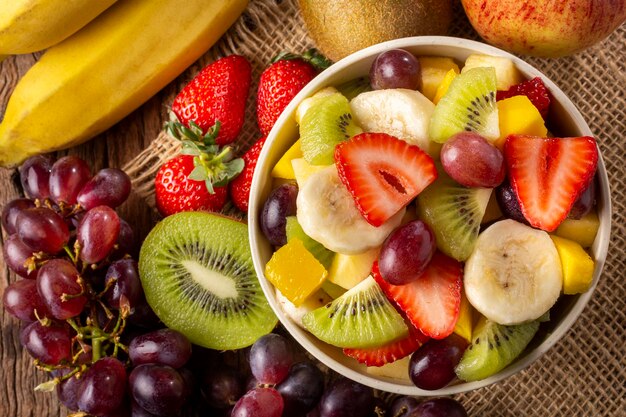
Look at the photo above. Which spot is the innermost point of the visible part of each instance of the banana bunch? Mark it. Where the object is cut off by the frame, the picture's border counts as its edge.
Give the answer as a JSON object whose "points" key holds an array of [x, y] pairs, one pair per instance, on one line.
{"points": [[91, 80]]}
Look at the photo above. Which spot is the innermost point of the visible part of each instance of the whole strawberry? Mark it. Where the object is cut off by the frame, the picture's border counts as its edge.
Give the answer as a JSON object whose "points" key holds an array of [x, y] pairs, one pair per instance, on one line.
{"points": [[240, 186], [217, 93], [281, 81]]}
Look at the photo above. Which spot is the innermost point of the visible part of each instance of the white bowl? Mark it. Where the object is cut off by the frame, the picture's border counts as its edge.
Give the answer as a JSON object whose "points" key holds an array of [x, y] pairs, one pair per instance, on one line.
{"points": [[566, 119]]}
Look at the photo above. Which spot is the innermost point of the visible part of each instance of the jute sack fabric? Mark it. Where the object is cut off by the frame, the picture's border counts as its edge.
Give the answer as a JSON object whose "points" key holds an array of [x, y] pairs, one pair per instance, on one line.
{"points": [[585, 373]]}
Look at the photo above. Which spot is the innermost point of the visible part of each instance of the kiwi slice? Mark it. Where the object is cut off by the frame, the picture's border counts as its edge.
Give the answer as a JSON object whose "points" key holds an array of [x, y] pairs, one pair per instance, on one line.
{"points": [[360, 318], [196, 270], [325, 124], [454, 212], [294, 230], [469, 104], [494, 346], [351, 89]]}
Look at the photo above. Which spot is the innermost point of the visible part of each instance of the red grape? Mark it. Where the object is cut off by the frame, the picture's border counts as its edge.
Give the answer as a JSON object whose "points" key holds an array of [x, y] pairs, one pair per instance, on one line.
{"points": [[109, 187], [138, 411], [346, 398], [49, 344], [67, 391], [432, 365], [42, 229], [302, 389], [270, 359], [406, 253], [67, 176], [21, 299], [97, 233], [403, 406], [103, 386], [35, 176], [222, 387], [126, 282], [260, 402], [508, 202], [16, 253], [57, 278], [440, 407], [158, 389], [472, 161], [10, 212], [143, 316], [584, 203], [125, 240], [163, 347], [280, 204], [395, 68]]}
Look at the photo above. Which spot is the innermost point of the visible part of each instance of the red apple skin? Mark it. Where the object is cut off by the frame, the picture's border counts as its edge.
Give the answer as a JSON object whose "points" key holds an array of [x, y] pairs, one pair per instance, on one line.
{"points": [[545, 28]]}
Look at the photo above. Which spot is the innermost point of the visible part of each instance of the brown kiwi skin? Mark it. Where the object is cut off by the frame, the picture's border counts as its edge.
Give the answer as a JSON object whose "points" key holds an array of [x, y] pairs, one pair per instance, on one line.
{"points": [[341, 27]]}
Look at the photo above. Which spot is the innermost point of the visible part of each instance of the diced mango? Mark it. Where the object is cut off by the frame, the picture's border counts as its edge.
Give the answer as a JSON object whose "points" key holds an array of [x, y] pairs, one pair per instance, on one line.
{"points": [[445, 84], [582, 231], [348, 270], [507, 74], [464, 324], [397, 370], [295, 272], [283, 168], [518, 115], [577, 265], [303, 170], [434, 70]]}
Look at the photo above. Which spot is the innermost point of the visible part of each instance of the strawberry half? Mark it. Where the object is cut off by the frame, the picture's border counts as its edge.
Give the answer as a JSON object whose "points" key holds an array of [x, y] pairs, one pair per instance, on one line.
{"points": [[389, 353], [536, 92], [549, 174], [432, 301], [383, 173]]}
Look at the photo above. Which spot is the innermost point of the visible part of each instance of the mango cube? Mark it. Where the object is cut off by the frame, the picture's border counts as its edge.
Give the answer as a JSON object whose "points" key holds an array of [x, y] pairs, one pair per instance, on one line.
{"points": [[518, 115], [583, 230], [283, 168], [577, 265], [348, 270], [464, 323], [295, 272], [434, 70], [507, 74], [445, 84]]}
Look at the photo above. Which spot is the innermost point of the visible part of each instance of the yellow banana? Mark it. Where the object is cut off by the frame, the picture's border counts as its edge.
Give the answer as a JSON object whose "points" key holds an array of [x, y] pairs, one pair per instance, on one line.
{"points": [[32, 25], [85, 84]]}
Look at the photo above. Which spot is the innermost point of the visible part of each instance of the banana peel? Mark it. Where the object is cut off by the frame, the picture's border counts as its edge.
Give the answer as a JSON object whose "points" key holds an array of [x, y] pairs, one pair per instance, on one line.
{"points": [[85, 84]]}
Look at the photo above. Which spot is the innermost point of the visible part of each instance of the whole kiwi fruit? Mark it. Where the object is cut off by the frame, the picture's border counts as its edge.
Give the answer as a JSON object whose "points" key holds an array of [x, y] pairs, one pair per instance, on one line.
{"points": [[341, 27]]}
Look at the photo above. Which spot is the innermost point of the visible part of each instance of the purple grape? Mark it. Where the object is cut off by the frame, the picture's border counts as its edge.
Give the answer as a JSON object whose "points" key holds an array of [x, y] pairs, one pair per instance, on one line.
{"points": [[49, 344], [103, 387], [139, 411], [42, 230], [10, 212], [222, 387], [190, 382], [109, 187], [508, 203], [67, 391], [97, 233], [270, 359], [584, 203], [57, 279], [346, 398], [143, 316], [280, 204], [16, 253], [403, 406], [67, 176], [126, 282], [395, 68], [260, 402], [35, 176], [21, 299], [406, 253], [439, 407], [432, 365], [158, 389], [302, 389], [164, 347], [125, 240], [472, 161]]}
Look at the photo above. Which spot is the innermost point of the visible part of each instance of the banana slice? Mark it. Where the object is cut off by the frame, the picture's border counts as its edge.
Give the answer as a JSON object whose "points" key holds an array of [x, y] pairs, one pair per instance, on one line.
{"points": [[402, 113], [514, 273], [327, 213], [315, 301]]}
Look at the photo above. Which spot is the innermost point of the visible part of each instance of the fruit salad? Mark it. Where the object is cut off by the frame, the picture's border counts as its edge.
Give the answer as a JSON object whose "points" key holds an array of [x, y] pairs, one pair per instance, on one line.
{"points": [[427, 219]]}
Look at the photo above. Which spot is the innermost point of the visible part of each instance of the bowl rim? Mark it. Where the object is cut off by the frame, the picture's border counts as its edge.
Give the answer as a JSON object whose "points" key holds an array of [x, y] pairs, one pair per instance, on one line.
{"points": [[600, 246]]}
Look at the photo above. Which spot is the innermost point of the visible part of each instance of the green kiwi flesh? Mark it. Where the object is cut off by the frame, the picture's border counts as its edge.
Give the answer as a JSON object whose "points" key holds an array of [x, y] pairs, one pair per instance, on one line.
{"points": [[197, 273], [294, 230], [454, 212], [360, 318], [351, 89], [325, 124], [493, 348], [468, 105]]}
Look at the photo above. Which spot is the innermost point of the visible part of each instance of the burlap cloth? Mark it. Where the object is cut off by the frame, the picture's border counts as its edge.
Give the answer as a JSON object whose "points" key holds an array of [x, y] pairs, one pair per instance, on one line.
{"points": [[585, 373]]}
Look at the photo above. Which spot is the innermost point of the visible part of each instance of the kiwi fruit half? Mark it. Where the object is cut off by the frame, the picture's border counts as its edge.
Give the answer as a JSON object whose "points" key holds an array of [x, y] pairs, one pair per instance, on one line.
{"points": [[361, 318], [325, 124], [468, 105], [494, 346], [197, 273], [294, 230], [454, 212]]}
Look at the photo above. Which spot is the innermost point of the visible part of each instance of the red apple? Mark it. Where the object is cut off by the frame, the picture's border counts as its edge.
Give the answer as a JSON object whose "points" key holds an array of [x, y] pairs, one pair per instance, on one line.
{"points": [[547, 28]]}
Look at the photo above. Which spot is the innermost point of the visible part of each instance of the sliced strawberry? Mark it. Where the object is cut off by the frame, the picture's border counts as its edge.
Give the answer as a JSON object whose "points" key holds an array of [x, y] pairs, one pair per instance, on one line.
{"points": [[389, 353], [383, 173], [549, 174], [432, 301], [536, 92]]}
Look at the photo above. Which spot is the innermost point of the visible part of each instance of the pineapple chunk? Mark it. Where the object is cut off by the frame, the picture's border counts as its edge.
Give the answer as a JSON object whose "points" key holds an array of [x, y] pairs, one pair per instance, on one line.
{"points": [[348, 270], [306, 103], [303, 170], [518, 115], [397, 370], [577, 265], [464, 323], [582, 231], [283, 168], [295, 272], [445, 84], [507, 74], [434, 71]]}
